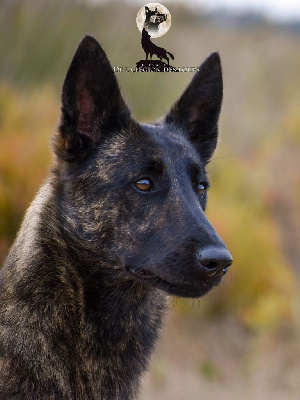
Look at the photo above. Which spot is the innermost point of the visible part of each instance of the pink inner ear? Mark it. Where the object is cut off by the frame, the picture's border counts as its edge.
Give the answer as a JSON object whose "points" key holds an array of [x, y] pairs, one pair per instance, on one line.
{"points": [[86, 109]]}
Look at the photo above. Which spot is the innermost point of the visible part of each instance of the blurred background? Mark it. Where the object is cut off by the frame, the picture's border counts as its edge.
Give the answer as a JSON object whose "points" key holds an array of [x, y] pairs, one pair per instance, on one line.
{"points": [[243, 339]]}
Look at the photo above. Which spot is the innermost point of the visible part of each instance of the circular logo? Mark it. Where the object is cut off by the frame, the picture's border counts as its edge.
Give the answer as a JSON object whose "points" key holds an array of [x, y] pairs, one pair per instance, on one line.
{"points": [[155, 18]]}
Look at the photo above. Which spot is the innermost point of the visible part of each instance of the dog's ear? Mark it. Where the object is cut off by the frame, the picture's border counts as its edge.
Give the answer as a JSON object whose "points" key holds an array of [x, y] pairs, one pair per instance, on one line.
{"points": [[197, 111], [91, 102]]}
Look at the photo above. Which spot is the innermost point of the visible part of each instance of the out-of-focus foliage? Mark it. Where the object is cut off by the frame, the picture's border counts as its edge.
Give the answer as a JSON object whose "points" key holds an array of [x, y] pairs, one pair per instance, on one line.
{"points": [[254, 199], [25, 122]]}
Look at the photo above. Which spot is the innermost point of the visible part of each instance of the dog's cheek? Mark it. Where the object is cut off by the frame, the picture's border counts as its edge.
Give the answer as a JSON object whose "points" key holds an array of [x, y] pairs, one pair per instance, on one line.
{"points": [[144, 236]]}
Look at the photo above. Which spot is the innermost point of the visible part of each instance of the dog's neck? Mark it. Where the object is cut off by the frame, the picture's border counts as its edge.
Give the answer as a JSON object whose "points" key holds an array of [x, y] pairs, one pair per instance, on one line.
{"points": [[125, 320]]}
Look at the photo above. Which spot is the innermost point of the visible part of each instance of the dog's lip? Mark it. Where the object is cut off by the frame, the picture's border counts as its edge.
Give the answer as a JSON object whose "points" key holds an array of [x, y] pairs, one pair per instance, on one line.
{"points": [[175, 288], [141, 272]]}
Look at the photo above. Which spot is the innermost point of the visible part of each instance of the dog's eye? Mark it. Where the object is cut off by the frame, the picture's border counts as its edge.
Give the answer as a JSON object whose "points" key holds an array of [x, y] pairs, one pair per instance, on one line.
{"points": [[144, 185], [201, 189]]}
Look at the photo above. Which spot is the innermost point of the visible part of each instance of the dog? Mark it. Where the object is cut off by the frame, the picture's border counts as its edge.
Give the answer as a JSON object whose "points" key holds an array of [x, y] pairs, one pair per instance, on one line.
{"points": [[117, 227], [153, 18], [151, 48]]}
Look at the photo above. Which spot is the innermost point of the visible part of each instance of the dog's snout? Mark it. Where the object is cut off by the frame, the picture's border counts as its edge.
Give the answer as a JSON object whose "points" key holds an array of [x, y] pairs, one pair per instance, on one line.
{"points": [[215, 260]]}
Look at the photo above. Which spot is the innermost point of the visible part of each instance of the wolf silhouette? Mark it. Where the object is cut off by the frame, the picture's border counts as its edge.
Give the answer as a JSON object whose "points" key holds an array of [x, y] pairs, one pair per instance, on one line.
{"points": [[150, 48]]}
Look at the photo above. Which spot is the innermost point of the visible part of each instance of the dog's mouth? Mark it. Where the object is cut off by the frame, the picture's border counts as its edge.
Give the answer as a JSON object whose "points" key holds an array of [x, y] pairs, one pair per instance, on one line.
{"points": [[181, 289]]}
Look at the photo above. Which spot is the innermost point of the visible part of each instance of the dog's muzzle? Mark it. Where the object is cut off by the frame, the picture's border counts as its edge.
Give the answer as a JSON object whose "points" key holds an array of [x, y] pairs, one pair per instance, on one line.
{"points": [[211, 265]]}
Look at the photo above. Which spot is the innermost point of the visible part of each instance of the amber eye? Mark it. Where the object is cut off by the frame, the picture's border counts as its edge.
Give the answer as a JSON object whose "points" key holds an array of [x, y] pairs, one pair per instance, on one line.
{"points": [[201, 189], [144, 185]]}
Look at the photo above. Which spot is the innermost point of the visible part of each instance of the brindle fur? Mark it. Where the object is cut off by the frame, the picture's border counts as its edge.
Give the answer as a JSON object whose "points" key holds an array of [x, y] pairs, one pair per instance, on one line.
{"points": [[75, 321]]}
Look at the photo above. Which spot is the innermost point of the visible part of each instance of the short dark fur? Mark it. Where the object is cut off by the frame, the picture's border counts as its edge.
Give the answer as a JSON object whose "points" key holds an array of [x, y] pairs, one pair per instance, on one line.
{"points": [[83, 287], [151, 48]]}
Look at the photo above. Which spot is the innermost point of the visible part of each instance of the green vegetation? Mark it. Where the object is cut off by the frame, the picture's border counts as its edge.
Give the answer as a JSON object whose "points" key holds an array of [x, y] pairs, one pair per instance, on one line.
{"points": [[254, 200]]}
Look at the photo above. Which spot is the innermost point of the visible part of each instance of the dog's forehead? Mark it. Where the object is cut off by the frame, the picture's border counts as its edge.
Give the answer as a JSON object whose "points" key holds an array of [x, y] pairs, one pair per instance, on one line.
{"points": [[144, 148], [149, 141], [172, 142]]}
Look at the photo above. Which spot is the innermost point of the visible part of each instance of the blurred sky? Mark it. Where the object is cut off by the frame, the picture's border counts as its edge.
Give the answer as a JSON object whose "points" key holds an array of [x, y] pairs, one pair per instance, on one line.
{"points": [[280, 10]]}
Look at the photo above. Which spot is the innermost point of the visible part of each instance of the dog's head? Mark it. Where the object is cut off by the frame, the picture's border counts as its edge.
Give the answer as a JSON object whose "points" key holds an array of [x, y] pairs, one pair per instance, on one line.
{"points": [[133, 195], [160, 18]]}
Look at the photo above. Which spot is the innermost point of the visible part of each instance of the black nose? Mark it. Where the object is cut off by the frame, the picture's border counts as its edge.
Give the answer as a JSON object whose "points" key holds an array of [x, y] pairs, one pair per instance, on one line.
{"points": [[215, 260]]}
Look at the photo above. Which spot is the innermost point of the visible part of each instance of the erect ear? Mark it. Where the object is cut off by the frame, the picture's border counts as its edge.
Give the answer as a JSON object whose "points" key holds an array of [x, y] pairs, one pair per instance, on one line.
{"points": [[197, 111], [91, 102]]}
